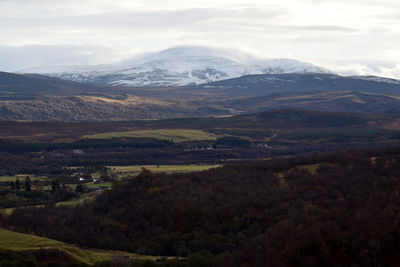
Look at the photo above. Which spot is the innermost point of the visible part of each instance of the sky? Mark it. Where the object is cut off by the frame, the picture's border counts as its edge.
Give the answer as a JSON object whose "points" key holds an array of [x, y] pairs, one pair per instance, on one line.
{"points": [[345, 36]]}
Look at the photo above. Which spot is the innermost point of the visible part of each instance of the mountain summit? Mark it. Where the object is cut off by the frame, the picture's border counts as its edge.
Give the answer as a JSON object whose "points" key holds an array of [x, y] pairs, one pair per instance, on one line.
{"points": [[177, 66]]}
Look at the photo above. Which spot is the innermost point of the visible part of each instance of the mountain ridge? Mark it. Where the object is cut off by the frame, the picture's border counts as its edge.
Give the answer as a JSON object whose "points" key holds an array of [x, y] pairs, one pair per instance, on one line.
{"points": [[42, 98], [265, 84], [178, 66]]}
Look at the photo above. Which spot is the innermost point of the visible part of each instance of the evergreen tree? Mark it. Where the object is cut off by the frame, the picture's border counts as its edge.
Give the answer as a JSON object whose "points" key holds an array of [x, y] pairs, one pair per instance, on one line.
{"points": [[55, 186], [28, 184], [12, 185], [17, 184], [80, 188]]}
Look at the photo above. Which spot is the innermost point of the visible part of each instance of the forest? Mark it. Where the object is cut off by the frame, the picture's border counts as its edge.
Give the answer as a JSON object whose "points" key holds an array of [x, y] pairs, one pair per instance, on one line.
{"points": [[322, 209]]}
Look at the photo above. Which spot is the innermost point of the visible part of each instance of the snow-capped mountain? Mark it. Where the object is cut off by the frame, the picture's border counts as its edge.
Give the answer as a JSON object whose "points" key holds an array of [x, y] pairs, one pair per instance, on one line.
{"points": [[177, 66]]}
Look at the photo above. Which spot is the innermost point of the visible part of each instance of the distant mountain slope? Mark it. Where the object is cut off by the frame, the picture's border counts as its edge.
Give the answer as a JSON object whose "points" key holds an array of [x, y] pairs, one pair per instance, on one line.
{"points": [[42, 98], [341, 101], [12, 85], [117, 108], [266, 84], [94, 108], [179, 66]]}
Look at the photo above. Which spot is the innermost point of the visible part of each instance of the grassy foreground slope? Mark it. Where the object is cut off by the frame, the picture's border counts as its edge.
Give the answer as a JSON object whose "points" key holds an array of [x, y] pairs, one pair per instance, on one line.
{"points": [[24, 246], [18, 242]]}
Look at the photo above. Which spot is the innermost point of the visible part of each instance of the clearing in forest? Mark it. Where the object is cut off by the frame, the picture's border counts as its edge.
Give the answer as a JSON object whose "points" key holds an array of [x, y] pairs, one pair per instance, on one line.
{"points": [[173, 134]]}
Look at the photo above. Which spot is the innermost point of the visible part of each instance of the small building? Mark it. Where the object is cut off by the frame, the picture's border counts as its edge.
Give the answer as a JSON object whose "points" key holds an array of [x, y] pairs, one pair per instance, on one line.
{"points": [[262, 145]]}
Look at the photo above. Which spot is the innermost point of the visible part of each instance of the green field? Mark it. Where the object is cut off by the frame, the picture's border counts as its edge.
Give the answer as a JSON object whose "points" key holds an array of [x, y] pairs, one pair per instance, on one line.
{"points": [[74, 201], [175, 135], [79, 199], [9, 210], [8, 178], [254, 134], [18, 242], [23, 242], [312, 168], [135, 169], [338, 134], [20, 177], [97, 186]]}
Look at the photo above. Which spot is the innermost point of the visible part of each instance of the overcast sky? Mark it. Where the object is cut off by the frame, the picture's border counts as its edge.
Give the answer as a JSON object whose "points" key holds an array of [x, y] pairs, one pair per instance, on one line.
{"points": [[347, 36]]}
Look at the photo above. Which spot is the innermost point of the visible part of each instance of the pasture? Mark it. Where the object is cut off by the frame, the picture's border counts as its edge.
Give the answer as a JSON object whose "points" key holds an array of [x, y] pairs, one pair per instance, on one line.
{"points": [[176, 135], [21, 177], [79, 199], [122, 171], [99, 185]]}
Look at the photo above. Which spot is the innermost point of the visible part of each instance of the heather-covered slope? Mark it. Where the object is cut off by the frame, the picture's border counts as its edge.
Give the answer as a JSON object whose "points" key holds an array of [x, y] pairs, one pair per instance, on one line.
{"points": [[41, 98]]}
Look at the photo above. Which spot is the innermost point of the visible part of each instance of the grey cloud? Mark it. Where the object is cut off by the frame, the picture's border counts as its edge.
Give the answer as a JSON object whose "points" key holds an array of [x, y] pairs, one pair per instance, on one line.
{"points": [[394, 15], [314, 40], [227, 24], [370, 62], [165, 18], [378, 67], [329, 28], [17, 58], [364, 3]]}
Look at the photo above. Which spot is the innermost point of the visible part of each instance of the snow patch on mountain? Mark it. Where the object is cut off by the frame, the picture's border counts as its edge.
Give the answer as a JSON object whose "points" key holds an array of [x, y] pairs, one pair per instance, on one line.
{"points": [[178, 66]]}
